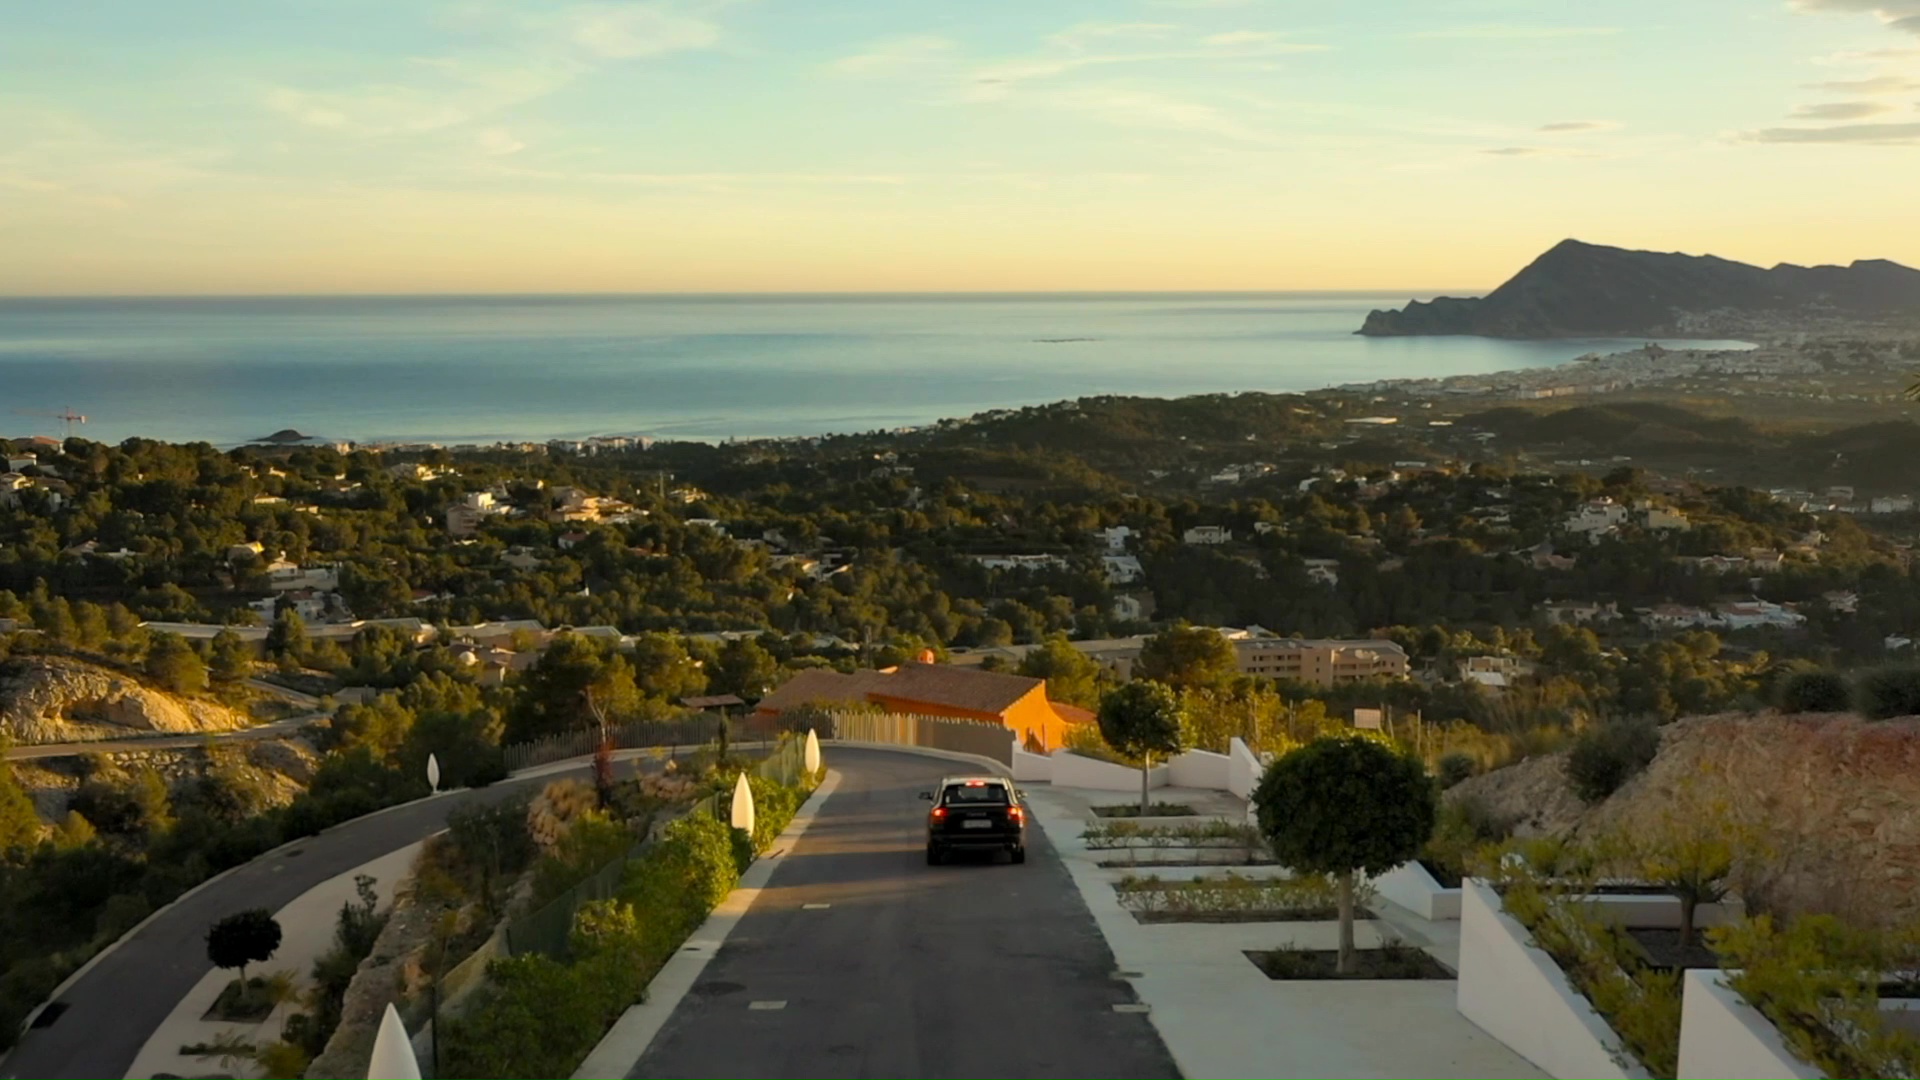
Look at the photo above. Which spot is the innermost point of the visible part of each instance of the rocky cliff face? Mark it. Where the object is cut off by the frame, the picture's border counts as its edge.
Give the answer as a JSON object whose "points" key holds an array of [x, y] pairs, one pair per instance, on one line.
{"points": [[51, 700], [1586, 290], [1836, 798]]}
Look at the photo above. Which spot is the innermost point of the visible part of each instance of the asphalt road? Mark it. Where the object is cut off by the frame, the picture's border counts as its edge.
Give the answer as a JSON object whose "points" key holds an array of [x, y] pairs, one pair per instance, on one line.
{"points": [[113, 1009], [977, 968]]}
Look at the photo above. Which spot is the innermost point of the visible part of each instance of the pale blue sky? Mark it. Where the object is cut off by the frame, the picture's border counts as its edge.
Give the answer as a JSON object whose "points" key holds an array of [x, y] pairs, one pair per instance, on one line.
{"points": [[406, 145]]}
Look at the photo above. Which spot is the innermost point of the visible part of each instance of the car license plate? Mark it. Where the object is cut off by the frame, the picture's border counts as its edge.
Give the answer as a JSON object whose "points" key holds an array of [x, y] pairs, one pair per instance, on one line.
{"points": [[976, 824]]}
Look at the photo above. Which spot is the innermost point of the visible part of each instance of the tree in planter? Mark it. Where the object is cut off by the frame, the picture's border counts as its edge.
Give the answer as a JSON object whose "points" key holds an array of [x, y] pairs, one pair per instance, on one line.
{"points": [[1692, 853], [245, 937], [1342, 806], [1140, 719]]}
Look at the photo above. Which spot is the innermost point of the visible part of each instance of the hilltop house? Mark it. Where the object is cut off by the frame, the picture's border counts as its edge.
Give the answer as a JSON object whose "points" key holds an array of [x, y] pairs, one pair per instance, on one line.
{"points": [[1020, 704], [1207, 534]]}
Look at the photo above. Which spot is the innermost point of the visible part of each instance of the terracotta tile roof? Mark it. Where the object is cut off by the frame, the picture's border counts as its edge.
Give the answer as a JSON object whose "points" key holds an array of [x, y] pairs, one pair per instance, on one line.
{"points": [[1074, 714], [956, 687], [937, 684]]}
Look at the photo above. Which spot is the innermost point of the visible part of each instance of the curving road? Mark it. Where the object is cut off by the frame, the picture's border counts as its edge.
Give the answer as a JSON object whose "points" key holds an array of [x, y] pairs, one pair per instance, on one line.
{"points": [[977, 968], [110, 1011]]}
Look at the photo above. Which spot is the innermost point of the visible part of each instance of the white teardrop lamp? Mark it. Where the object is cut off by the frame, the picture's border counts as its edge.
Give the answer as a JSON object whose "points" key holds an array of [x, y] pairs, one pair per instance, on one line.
{"points": [[810, 756], [433, 773], [392, 1051], [743, 804]]}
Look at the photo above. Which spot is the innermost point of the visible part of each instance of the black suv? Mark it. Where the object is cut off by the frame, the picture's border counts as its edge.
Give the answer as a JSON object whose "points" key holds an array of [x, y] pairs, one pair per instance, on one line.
{"points": [[978, 812]]}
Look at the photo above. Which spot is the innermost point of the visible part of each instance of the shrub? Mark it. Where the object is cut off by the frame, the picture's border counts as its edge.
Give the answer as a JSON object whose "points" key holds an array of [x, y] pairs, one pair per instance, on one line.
{"points": [[1454, 768], [1608, 755], [1815, 692], [1816, 980], [1890, 692]]}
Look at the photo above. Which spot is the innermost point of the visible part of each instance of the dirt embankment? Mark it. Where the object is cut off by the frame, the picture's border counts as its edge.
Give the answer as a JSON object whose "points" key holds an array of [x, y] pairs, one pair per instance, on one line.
{"points": [[1834, 800], [47, 700]]}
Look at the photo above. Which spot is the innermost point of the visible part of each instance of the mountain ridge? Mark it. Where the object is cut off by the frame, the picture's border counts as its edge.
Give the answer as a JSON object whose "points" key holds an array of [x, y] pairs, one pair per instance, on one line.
{"points": [[1577, 289]]}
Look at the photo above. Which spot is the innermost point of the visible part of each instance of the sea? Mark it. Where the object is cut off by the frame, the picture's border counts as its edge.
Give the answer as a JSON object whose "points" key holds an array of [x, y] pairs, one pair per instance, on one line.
{"points": [[483, 369]]}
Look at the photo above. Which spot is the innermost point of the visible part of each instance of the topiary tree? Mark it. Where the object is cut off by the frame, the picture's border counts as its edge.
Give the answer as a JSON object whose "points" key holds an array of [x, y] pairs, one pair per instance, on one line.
{"points": [[1141, 719], [1890, 692], [245, 937], [1608, 755], [1815, 692], [1345, 805]]}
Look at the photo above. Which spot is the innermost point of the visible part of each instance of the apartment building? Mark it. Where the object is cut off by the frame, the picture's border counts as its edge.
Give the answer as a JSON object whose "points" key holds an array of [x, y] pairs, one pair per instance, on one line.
{"points": [[1323, 663]]}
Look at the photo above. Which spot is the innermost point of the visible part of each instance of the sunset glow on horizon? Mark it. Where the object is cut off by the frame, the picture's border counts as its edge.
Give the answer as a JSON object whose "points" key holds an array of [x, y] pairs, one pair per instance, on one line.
{"points": [[368, 146]]}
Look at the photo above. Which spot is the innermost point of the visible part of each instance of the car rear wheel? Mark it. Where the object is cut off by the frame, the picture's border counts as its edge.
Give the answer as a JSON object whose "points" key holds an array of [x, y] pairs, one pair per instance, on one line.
{"points": [[933, 855], [1019, 854]]}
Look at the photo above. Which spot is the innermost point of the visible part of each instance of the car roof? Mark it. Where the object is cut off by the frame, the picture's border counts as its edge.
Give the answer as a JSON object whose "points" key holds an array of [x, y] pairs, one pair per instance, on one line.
{"points": [[974, 779]]}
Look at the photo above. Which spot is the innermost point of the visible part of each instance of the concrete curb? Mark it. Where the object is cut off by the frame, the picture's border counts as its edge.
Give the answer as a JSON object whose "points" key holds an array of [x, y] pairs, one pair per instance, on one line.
{"points": [[622, 1047]]}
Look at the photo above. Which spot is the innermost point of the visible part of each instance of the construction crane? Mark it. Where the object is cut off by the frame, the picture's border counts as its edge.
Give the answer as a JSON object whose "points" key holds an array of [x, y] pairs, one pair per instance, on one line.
{"points": [[67, 415]]}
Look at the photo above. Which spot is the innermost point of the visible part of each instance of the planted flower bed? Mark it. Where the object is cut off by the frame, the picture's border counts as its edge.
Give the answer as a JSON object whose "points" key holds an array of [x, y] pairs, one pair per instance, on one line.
{"points": [[1207, 841], [1233, 898]]}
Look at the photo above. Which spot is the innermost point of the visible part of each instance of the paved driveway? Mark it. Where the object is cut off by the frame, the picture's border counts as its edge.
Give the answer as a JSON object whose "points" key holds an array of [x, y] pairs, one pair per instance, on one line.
{"points": [[977, 968]]}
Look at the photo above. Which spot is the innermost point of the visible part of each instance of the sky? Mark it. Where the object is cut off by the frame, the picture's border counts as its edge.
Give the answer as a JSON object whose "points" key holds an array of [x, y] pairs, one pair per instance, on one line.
{"points": [[420, 146]]}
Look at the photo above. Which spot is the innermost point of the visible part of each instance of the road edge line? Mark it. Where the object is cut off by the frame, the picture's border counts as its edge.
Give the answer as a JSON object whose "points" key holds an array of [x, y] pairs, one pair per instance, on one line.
{"points": [[627, 1041]]}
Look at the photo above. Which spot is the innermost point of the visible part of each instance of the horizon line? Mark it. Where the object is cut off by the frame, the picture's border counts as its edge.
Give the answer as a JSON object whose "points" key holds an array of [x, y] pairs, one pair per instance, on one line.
{"points": [[755, 294]]}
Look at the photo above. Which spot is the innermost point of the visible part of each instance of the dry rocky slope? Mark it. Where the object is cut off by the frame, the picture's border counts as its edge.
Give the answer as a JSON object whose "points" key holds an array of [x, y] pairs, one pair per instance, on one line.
{"points": [[1836, 799], [46, 700]]}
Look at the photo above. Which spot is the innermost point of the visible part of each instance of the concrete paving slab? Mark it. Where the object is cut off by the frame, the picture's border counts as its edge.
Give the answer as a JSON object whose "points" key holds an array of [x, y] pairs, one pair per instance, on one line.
{"points": [[1221, 1016]]}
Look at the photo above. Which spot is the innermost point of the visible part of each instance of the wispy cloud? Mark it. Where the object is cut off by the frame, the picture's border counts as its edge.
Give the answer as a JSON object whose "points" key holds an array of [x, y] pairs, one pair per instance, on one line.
{"points": [[895, 56], [1136, 108], [1242, 37], [1870, 134], [1516, 32], [1574, 127], [1533, 151], [1069, 52], [497, 142], [1879, 84], [1841, 110], [1898, 14], [627, 30]]}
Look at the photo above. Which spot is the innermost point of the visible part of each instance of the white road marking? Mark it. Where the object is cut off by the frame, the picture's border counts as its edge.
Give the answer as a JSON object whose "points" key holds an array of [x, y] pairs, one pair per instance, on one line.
{"points": [[766, 1006]]}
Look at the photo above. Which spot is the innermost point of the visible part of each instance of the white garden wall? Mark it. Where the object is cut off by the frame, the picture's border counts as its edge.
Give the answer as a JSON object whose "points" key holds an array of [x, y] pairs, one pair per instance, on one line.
{"points": [[1072, 770], [1200, 769], [1413, 888], [1518, 995], [1031, 767], [1243, 769], [1722, 1037]]}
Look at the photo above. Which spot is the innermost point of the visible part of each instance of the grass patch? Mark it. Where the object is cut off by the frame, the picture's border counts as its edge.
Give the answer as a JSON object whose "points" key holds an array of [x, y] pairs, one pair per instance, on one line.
{"points": [[1392, 960], [1132, 810]]}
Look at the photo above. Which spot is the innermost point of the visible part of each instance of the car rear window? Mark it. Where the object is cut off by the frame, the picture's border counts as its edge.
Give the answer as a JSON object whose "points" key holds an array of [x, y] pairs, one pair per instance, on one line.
{"points": [[991, 794]]}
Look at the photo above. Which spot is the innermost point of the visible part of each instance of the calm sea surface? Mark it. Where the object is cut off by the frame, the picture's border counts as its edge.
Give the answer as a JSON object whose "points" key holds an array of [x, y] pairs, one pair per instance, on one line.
{"points": [[481, 369]]}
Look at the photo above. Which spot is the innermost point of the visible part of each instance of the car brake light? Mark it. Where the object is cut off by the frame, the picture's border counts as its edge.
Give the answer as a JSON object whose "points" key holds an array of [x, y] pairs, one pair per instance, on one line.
{"points": [[1015, 813], [976, 783], [939, 812]]}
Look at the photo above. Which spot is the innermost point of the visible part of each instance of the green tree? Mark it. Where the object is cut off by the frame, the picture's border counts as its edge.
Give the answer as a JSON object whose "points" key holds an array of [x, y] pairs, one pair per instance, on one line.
{"points": [[1345, 806], [173, 664], [1189, 657], [1072, 676], [231, 658], [663, 669], [745, 668], [245, 937], [287, 640], [19, 822], [1140, 719]]}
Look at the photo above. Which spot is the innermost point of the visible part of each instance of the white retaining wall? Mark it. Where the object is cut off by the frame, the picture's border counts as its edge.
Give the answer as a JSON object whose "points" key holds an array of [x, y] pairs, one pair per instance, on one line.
{"points": [[1413, 888], [1243, 769], [1200, 769], [1072, 770], [1722, 1037], [1517, 994], [1031, 767]]}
